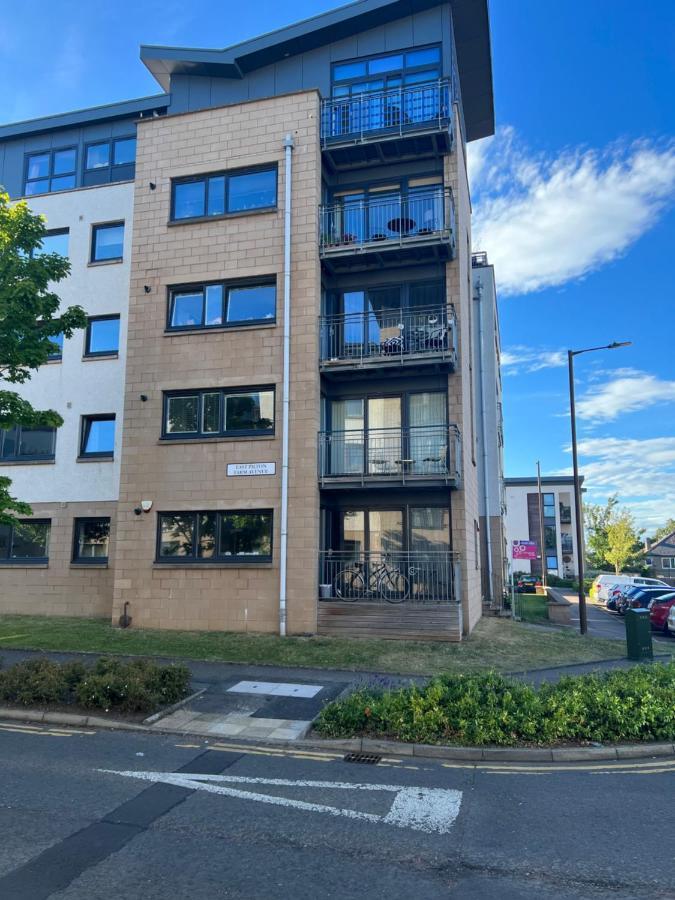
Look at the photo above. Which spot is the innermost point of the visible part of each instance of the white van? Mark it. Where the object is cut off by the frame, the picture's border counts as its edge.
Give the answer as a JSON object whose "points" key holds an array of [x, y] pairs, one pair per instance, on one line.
{"points": [[603, 584]]}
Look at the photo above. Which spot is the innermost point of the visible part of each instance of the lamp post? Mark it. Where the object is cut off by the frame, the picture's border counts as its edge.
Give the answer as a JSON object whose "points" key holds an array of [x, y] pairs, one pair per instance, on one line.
{"points": [[583, 620]]}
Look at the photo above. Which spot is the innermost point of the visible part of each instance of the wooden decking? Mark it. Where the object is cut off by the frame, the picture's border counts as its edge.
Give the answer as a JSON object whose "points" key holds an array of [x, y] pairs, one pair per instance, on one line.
{"points": [[428, 622]]}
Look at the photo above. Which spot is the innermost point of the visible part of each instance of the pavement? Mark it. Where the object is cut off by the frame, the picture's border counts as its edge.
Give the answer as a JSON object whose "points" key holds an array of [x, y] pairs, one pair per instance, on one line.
{"points": [[92, 815]]}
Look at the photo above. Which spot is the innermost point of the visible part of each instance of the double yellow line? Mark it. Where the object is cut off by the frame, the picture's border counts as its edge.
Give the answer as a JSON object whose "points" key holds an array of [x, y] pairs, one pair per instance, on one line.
{"points": [[41, 729]]}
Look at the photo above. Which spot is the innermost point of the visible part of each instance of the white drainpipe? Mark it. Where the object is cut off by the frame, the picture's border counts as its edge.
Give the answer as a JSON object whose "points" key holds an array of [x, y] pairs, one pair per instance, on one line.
{"points": [[486, 468], [285, 400]]}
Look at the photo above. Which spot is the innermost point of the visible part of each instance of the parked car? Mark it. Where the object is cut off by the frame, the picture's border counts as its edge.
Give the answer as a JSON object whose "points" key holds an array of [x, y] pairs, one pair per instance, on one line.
{"points": [[659, 608], [528, 584], [602, 584], [615, 593], [639, 598], [671, 621]]}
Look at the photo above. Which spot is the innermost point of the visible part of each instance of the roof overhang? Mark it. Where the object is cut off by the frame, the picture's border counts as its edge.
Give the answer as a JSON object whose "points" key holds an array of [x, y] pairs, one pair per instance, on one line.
{"points": [[472, 41]]}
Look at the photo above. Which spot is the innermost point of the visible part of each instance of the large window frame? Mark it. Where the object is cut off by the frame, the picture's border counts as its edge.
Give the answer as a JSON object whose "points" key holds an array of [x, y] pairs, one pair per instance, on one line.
{"points": [[80, 523], [227, 288], [18, 457], [85, 431], [110, 171], [221, 393], [9, 560], [208, 179], [51, 175], [193, 558], [91, 321], [95, 230], [385, 78]]}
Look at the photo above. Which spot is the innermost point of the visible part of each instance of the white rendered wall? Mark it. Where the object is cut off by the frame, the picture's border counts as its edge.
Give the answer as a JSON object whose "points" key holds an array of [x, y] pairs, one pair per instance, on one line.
{"points": [[77, 386], [516, 526]]}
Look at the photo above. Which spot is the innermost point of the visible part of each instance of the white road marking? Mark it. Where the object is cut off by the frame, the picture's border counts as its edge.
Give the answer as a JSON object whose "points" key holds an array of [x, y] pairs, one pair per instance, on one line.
{"points": [[432, 810], [275, 688]]}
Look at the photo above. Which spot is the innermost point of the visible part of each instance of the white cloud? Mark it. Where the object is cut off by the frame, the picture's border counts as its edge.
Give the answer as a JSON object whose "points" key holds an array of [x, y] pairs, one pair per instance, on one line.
{"points": [[519, 358], [627, 391], [641, 472], [545, 221]]}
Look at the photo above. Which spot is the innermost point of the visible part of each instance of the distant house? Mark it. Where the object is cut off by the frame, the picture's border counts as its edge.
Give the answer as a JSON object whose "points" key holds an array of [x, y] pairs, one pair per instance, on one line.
{"points": [[660, 557]]}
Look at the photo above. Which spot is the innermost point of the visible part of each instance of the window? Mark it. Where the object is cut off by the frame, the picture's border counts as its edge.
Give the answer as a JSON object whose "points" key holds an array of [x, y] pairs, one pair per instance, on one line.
{"points": [[668, 562], [215, 195], [218, 305], [210, 537], [50, 170], [55, 241], [24, 444], [26, 541], [383, 72], [98, 436], [218, 412], [57, 352], [107, 242], [103, 336], [112, 160], [90, 540]]}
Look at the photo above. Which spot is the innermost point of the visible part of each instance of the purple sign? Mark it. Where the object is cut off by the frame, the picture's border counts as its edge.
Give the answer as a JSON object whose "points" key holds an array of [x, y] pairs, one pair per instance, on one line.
{"points": [[525, 550]]}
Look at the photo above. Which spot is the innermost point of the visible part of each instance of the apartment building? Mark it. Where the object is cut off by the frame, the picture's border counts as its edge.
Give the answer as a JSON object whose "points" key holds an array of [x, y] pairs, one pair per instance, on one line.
{"points": [[295, 438], [522, 522], [489, 431]]}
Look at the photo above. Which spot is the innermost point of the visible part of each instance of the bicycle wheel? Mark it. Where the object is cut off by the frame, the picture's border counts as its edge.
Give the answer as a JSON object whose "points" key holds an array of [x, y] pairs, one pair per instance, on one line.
{"points": [[394, 587], [349, 585]]}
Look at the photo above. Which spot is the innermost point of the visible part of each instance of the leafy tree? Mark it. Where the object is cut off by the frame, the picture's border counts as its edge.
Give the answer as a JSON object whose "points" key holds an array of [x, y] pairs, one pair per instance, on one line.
{"points": [[664, 530], [29, 319], [624, 545], [597, 520]]}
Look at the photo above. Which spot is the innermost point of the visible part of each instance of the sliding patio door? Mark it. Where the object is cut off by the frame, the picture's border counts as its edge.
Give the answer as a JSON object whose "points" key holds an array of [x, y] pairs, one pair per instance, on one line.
{"points": [[428, 442], [384, 436]]}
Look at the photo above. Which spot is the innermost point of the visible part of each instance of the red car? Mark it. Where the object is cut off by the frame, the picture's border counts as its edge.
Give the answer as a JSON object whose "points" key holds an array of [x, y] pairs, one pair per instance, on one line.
{"points": [[659, 608]]}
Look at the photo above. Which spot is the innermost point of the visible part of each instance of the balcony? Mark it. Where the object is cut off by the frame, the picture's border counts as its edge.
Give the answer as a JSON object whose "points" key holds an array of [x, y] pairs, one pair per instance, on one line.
{"points": [[566, 544], [387, 126], [428, 454], [371, 232], [391, 338], [410, 594], [565, 515]]}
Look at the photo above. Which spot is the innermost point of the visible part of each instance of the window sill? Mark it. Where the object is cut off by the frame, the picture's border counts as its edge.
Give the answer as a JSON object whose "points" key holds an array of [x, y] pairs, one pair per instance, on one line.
{"points": [[200, 566], [94, 459], [171, 223], [53, 360], [219, 329], [105, 262], [28, 462], [93, 357], [91, 565], [23, 564], [217, 440]]}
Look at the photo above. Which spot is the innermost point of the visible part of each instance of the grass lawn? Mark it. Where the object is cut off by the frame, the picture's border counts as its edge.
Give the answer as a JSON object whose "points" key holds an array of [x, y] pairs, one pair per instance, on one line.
{"points": [[498, 644], [533, 608]]}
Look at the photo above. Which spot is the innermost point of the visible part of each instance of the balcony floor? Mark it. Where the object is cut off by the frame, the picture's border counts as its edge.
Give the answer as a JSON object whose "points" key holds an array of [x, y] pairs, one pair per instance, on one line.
{"points": [[442, 360], [411, 250], [348, 482], [426, 140], [418, 622]]}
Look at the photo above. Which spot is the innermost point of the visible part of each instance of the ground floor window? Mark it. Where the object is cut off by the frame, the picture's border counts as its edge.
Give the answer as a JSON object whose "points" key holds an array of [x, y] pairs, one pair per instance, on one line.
{"points": [[409, 528], [207, 537], [25, 541], [91, 539]]}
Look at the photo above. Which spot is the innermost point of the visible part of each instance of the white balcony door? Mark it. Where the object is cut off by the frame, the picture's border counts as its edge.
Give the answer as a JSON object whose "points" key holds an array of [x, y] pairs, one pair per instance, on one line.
{"points": [[428, 444]]}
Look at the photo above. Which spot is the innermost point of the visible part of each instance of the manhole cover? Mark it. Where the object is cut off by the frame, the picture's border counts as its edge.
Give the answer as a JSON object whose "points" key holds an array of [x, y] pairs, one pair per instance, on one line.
{"points": [[371, 759]]}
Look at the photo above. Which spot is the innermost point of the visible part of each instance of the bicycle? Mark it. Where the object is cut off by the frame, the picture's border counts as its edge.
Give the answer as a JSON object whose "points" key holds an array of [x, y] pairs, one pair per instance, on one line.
{"points": [[384, 581]]}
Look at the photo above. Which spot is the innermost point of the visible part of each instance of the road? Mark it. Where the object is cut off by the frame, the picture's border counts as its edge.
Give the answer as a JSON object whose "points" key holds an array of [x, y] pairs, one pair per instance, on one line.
{"points": [[606, 624], [96, 815]]}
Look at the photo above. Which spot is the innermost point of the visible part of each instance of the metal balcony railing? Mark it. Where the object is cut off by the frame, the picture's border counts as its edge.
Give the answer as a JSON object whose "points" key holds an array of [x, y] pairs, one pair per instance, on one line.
{"points": [[387, 220], [388, 334], [391, 454], [389, 577], [396, 111]]}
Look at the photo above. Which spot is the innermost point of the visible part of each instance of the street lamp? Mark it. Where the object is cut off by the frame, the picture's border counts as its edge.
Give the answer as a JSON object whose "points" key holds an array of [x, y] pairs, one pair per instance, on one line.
{"points": [[583, 621]]}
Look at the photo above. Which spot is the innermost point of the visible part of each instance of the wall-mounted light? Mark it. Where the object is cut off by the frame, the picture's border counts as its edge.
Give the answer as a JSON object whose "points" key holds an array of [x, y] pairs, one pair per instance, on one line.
{"points": [[146, 505], [143, 397], [152, 185], [147, 288]]}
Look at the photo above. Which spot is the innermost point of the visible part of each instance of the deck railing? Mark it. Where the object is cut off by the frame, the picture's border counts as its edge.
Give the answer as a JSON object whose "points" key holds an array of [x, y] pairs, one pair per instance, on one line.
{"points": [[395, 111], [387, 334], [396, 454], [389, 577], [387, 219]]}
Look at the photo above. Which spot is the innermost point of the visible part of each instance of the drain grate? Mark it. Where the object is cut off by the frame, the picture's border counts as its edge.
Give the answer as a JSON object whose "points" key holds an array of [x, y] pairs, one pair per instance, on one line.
{"points": [[369, 759]]}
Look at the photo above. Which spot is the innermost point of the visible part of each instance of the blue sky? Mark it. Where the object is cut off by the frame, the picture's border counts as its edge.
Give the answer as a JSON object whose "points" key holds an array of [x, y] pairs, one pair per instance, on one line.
{"points": [[573, 200]]}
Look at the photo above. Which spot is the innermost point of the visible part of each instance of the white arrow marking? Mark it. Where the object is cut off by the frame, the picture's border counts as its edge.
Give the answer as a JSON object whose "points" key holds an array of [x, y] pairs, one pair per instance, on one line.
{"points": [[422, 809]]}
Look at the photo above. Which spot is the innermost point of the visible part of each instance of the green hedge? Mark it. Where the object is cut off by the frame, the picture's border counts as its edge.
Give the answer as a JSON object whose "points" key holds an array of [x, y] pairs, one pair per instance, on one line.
{"points": [[110, 684], [636, 704]]}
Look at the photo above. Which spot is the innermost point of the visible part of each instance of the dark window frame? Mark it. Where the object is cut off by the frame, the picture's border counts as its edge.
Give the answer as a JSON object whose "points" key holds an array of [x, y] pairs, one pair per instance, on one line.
{"points": [[227, 285], [201, 435], [88, 560], [111, 152], [95, 228], [45, 457], [27, 560], [402, 72], [52, 151], [227, 174], [193, 559], [54, 232], [94, 354], [112, 172], [85, 429]]}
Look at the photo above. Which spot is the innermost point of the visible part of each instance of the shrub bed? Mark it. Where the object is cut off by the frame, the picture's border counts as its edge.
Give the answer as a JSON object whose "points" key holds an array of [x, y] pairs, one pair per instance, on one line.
{"points": [[634, 704], [140, 686]]}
